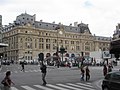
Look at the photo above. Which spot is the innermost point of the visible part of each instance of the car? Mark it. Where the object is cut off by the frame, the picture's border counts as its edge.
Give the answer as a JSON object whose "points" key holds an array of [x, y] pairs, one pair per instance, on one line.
{"points": [[111, 81], [5, 62]]}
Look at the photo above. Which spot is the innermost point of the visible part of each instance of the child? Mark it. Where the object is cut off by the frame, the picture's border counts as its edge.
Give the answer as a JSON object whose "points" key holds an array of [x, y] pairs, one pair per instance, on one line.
{"points": [[7, 81]]}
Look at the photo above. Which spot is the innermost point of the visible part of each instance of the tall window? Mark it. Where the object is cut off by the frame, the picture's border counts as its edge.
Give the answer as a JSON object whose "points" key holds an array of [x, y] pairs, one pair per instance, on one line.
{"points": [[41, 46], [47, 46], [41, 40]]}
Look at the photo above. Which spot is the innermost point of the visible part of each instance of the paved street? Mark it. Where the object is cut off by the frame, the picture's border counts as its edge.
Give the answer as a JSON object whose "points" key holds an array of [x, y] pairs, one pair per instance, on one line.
{"points": [[62, 78]]}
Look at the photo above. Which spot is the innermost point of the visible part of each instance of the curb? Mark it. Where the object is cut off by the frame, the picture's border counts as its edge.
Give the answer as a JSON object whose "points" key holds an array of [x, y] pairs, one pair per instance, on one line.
{"points": [[0, 68]]}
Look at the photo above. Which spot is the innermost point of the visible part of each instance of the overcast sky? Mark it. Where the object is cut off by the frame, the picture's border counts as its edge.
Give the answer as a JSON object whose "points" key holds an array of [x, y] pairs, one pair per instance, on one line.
{"points": [[101, 15]]}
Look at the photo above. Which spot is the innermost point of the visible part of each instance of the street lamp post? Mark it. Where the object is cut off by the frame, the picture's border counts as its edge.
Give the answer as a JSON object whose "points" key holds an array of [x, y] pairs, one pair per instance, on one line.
{"points": [[62, 51], [59, 32], [57, 49]]}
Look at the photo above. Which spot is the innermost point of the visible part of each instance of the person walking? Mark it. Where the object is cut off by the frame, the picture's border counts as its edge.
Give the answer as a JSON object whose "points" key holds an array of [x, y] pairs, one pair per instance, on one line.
{"points": [[82, 73], [7, 82], [110, 68], [44, 71], [23, 67], [105, 70], [87, 73]]}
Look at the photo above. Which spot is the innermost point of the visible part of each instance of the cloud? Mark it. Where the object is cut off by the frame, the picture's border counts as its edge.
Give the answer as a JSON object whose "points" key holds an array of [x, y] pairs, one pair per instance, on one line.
{"points": [[101, 15], [88, 4]]}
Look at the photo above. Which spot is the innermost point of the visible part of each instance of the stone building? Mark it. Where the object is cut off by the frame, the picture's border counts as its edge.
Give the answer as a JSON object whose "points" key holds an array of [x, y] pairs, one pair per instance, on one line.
{"points": [[27, 37]]}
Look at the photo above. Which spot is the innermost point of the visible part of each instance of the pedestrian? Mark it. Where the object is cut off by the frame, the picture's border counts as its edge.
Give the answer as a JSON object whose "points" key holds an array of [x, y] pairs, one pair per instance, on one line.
{"points": [[110, 68], [44, 71], [87, 73], [82, 73], [7, 82], [105, 70], [58, 63], [23, 67]]}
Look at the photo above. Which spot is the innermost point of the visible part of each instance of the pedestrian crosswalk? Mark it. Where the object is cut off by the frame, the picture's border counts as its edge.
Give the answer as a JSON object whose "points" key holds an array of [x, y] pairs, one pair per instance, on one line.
{"points": [[59, 86], [26, 71]]}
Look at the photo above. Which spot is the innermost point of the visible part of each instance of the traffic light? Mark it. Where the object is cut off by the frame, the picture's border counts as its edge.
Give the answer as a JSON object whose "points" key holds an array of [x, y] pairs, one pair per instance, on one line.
{"points": [[41, 56], [62, 50]]}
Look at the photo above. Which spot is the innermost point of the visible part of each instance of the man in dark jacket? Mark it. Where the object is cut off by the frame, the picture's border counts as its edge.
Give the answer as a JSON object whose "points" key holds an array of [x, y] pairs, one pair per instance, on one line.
{"points": [[44, 71]]}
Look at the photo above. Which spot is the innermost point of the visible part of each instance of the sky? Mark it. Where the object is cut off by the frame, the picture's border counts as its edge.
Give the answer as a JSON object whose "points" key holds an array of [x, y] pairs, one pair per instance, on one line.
{"points": [[101, 15]]}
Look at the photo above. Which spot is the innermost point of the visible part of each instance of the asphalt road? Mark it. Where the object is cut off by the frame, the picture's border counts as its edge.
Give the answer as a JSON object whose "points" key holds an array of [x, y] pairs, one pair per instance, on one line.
{"points": [[62, 78]]}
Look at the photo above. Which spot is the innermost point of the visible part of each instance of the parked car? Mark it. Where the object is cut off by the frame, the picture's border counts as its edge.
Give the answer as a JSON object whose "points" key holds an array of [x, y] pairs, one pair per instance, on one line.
{"points": [[111, 81], [5, 62]]}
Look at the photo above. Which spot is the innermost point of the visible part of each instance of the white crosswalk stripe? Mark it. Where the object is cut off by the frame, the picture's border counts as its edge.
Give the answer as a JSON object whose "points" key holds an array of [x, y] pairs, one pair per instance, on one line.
{"points": [[42, 87], [84, 84], [70, 87], [65, 86], [80, 86], [28, 88], [57, 87]]}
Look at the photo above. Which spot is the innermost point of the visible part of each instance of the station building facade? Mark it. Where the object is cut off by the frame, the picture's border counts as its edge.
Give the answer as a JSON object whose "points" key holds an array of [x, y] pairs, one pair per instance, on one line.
{"points": [[26, 38]]}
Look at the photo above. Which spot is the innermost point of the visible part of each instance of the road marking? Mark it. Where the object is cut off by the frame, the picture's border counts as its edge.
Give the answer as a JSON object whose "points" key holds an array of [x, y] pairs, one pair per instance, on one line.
{"points": [[80, 86], [57, 87], [67, 86], [28, 88], [84, 84], [43, 87], [13, 88]]}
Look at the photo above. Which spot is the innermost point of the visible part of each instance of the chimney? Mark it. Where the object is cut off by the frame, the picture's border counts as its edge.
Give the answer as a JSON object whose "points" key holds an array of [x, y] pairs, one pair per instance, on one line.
{"points": [[70, 24], [41, 20], [54, 22], [75, 24], [59, 23]]}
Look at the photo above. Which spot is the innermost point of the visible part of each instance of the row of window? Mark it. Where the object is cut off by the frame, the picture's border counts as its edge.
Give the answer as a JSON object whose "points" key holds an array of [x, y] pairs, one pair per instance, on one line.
{"points": [[45, 33]]}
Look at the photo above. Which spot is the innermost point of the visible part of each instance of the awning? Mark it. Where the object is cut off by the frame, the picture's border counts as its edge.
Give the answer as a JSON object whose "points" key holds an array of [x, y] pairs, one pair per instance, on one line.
{"points": [[3, 45]]}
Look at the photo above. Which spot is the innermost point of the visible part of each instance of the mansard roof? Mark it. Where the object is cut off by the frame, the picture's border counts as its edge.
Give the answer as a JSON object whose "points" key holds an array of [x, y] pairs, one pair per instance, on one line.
{"points": [[25, 18]]}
